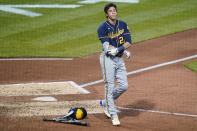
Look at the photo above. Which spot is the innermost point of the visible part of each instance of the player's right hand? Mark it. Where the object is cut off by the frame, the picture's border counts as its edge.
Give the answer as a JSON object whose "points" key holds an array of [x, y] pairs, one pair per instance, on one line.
{"points": [[113, 51]]}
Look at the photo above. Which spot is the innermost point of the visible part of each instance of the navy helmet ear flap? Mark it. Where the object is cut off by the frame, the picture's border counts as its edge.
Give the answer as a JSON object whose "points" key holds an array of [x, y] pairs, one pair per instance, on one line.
{"points": [[84, 112]]}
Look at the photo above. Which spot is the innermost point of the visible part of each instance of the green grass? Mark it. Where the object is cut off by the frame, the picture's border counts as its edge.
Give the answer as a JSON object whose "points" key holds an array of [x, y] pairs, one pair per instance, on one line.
{"points": [[191, 65], [73, 32]]}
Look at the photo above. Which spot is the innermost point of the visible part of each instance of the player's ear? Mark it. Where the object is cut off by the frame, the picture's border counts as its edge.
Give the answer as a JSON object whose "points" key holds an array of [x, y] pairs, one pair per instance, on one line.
{"points": [[106, 15]]}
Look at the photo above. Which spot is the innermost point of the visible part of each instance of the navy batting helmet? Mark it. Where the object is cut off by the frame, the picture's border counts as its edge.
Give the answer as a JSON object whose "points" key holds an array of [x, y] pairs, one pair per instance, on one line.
{"points": [[78, 113]]}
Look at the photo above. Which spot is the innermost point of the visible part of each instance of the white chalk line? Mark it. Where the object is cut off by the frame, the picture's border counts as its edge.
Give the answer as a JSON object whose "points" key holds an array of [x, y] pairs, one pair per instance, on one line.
{"points": [[34, 59], [45, 98], [42, 6], [150, 111], [19, 11], [144, 69], [160, 112], [96, 1], [14, 8], [79, 87]]}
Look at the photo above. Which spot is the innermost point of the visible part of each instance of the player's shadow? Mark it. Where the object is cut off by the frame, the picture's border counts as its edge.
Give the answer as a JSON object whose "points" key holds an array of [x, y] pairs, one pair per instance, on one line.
{"points": [[135, 109]]}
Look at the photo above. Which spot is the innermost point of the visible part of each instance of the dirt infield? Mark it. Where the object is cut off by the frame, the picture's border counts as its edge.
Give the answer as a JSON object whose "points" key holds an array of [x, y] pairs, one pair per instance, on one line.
{"points": [[161, 99]]}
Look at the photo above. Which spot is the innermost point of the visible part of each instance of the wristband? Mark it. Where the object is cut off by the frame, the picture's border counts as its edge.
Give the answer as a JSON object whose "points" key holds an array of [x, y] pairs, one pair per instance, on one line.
{"points": [[121, 48]]}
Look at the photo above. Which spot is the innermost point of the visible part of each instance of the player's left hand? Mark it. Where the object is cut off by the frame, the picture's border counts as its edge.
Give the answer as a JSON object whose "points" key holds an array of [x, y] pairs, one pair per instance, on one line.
{"points": [[113, 51], [127, 53]]}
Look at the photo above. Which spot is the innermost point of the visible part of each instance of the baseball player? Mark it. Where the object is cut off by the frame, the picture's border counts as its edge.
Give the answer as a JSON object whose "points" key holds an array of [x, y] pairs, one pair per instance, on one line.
{"points": [[115, 38]]}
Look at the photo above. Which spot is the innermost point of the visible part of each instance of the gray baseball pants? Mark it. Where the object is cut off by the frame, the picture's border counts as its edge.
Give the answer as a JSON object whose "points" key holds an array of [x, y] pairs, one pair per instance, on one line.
{"points": [[113, 68]]}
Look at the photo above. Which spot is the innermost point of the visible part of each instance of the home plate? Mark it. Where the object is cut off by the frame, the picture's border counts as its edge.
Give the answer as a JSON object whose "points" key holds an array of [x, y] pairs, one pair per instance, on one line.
{"points": [[48, 88], [44, 99]]}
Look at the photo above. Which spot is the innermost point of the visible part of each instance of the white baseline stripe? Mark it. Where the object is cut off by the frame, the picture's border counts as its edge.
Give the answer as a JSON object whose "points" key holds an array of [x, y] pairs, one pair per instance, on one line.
{"points": [[160, 112], [31, 59], [19, 11], [42, 6], [14, 8], [163, 64], [96, 1], [145, 69]]}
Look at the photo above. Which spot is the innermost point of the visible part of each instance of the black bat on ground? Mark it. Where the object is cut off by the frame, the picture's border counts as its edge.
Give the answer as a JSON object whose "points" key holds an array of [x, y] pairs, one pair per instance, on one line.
{"points": [[67, 121]]}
